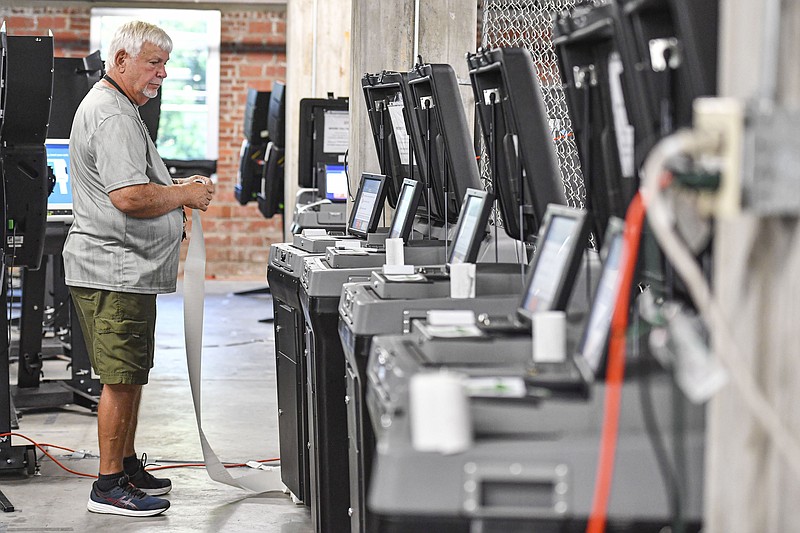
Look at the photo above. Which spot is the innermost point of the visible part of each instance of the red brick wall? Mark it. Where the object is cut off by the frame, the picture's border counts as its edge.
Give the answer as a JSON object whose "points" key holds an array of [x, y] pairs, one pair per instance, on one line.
{"points": [[70, 26], [252, 54]]}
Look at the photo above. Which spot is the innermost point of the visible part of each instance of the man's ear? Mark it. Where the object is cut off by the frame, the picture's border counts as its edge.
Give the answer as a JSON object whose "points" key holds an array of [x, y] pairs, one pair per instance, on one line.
{"points": [[119, 59]]}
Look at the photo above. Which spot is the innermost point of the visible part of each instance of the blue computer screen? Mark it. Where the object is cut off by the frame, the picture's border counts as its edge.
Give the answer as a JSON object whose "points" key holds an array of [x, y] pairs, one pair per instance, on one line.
{"points": [[58, 158], [335, 183]]}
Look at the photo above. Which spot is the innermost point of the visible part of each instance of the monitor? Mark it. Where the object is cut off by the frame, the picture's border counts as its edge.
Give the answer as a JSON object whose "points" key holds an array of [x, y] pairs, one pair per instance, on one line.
{"points": [[270, 197], [276, 114], [186, 168], [368, 205], [29, 89], [93, 67], [407, 203], [471, 226], [70, 85], [256, 111], [441, 138], [599, 91], [251, 170], [59, 203], [519, 142], [335, 183], [324, 134], [671, 50], [595, 333], [150, 112], [387, 95], [560, 246]]}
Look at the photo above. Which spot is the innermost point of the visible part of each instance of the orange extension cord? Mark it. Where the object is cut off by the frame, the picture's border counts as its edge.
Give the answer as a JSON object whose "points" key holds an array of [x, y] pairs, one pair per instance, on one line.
{"points": [[43, 445], [615, 372]]}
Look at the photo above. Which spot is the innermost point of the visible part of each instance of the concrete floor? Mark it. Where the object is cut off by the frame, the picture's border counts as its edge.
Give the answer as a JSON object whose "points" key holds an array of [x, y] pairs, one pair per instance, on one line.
{"points": [[239, 420]]}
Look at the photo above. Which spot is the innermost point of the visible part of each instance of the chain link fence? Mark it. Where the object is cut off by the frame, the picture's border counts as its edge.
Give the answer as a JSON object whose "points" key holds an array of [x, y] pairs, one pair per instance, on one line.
{"points": [[529, 24]]}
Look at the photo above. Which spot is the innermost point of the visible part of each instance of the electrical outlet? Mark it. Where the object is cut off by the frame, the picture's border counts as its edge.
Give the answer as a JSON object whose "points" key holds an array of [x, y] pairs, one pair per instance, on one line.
{"points": [[724, 119]]}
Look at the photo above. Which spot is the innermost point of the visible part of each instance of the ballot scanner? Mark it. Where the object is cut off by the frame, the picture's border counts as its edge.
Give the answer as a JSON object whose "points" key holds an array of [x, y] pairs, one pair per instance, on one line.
{"points": [[386, 305], [321, 284], [283, 274], [535, 427]]}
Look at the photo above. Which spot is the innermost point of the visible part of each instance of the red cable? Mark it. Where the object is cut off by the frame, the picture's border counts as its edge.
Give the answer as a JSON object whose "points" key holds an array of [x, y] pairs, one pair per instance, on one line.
{"points": [[615, 370], [181, 465], [41, 447]]}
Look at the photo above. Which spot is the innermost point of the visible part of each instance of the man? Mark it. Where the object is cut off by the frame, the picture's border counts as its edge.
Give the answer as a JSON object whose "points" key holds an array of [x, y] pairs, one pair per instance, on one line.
{"points": [[123, 249]]}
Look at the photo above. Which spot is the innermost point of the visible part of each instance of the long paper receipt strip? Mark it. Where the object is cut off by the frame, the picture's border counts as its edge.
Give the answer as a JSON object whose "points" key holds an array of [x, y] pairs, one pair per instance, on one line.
{"points": [[193, 300]]}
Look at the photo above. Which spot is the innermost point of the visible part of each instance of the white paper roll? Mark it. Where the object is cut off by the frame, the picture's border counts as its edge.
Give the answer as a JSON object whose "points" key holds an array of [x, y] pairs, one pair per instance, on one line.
{"points": [[394, 252], [439, 411], [549, 337], [462, 280]]}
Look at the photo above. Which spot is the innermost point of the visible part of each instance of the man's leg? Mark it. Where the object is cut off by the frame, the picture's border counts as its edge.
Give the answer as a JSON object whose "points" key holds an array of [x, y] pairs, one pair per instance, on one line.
{"points": [[122, 357], [112, 493], [134, 467], [115, 414], [130, 442]]}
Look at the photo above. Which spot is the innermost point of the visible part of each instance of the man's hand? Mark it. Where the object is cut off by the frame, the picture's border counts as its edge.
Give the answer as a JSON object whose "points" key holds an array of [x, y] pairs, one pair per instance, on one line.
{"points": [[199, 192]]}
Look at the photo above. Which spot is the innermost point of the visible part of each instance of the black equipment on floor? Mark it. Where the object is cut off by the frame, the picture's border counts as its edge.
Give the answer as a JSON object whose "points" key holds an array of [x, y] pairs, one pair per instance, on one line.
{"points": [[26, 85]]}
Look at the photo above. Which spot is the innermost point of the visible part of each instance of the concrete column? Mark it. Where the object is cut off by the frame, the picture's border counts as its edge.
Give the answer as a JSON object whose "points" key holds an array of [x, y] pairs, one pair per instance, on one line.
{"points": [[386, 36], [750, 488], [318, 62]]}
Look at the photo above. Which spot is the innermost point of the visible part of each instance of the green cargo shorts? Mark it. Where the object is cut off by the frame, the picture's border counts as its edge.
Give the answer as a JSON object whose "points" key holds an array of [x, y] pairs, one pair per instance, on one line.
{"points": [[119, 329]]}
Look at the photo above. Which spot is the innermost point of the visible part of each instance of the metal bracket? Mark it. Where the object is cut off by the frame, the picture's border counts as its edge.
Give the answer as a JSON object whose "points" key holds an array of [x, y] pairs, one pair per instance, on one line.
{"points": [[426, 102], [487, 96], [584, 76], [661, 49]]}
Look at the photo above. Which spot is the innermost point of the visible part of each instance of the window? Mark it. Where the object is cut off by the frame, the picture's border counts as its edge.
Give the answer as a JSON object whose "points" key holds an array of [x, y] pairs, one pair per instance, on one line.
{"points": [[189, 124]]}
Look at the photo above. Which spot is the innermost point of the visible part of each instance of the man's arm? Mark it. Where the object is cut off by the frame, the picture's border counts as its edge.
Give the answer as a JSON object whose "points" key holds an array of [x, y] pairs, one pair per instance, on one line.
{"points": [[152, 200]]}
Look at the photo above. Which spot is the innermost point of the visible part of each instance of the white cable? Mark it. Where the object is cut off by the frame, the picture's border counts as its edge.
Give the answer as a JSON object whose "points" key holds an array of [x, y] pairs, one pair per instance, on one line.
{"points": [[727, 351]]}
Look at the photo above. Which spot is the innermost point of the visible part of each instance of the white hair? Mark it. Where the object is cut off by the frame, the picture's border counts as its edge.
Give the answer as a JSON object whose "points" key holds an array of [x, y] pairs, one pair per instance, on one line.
{"points": [[132, 35]]}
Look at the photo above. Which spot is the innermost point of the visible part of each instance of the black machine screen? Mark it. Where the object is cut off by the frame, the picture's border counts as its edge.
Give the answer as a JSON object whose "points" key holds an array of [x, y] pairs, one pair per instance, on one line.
{"points": [[467, 230], [556, 248], [366, 207], [402, 212], [596, 331]]}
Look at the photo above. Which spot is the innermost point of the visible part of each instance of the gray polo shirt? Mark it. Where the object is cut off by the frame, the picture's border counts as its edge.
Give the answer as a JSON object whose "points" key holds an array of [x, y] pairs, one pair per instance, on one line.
{"points": [[110, 149]]}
